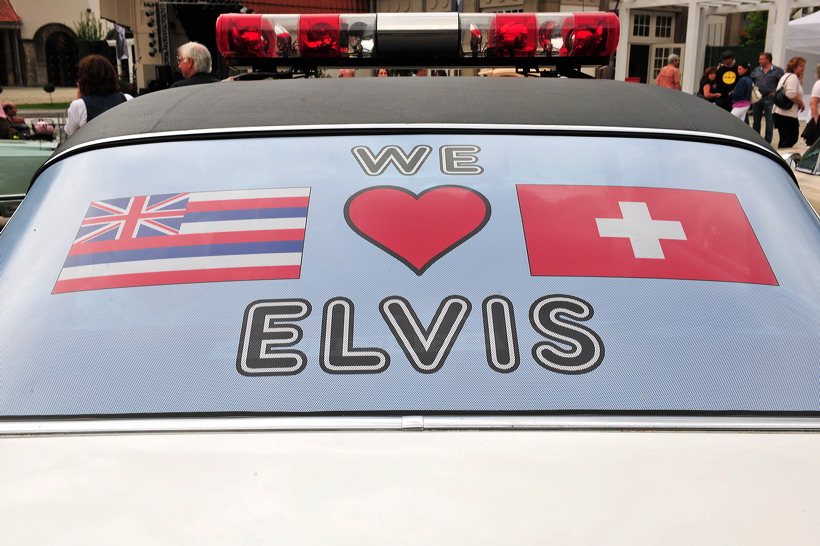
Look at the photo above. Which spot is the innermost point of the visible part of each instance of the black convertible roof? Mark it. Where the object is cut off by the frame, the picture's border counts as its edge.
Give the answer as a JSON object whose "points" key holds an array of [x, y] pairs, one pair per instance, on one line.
{"points": [[517, 101]]}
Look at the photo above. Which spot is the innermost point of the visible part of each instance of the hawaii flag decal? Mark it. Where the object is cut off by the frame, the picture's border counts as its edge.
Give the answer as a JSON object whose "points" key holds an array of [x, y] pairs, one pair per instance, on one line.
{"points": [[613, 231], [187, 238]]}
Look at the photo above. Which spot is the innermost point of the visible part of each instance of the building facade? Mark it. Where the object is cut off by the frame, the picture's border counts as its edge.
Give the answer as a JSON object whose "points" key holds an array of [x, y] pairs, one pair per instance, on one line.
{"points": [[40, 44], [44, 46]]}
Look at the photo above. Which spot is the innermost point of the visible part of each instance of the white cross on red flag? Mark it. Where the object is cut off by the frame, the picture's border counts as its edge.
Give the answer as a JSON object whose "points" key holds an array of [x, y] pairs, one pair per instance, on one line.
{"points": [[613, 231]]}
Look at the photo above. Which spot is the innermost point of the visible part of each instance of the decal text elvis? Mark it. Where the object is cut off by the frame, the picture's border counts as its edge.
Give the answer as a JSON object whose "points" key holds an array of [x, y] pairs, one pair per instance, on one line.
{"points": [[269, 335]]}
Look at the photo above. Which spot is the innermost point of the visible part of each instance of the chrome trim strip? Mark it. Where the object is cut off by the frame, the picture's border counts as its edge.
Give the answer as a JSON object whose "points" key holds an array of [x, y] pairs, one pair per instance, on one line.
{"points": [[632, 423], [410, 423], [399, 127]]}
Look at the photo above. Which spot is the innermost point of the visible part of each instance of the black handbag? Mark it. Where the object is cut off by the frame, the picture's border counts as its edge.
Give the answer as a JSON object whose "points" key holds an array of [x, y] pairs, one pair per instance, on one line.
{"points": [[780, 99], [811, 133]]}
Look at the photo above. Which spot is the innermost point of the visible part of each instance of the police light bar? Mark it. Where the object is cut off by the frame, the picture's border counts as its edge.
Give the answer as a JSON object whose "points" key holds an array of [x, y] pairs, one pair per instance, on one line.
{"points": [[418, 39]]}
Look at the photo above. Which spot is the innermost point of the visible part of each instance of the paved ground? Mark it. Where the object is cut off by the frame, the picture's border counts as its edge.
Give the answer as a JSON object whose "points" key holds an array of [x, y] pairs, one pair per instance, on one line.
{"points": [[36, 95]]}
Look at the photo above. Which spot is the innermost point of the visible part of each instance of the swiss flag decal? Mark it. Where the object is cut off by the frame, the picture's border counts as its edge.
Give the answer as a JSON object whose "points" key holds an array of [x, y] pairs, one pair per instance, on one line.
{"points": [[613, 231]]}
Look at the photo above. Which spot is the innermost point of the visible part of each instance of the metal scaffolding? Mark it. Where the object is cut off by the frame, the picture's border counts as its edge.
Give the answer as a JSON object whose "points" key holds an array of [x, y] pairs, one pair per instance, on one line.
{"points": [[163, 22]]}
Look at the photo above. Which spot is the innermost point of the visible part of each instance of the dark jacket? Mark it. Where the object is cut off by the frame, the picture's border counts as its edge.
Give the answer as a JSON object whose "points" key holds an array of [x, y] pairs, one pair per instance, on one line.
{"points": [[743, 90], [5, 128], [197, 79]]}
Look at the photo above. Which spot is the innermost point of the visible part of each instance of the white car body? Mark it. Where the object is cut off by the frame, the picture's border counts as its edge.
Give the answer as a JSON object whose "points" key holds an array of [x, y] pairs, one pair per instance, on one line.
{"points": [[411, 487]]}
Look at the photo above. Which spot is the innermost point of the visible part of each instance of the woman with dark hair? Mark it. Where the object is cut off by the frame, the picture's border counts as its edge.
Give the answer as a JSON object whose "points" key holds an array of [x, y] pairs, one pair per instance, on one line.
{"points": [[742, 93], [785, 119], [708, 84], [97, 91]]}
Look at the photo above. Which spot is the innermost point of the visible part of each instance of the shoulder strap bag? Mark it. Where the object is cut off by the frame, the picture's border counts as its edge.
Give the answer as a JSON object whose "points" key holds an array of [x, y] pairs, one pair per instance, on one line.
{"points": [[780, 99]]}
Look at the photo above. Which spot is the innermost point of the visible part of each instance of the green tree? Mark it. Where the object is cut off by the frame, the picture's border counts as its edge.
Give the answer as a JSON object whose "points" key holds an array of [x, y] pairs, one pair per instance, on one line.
{"points": [[49, 88], [754, 33], [88, 29]]}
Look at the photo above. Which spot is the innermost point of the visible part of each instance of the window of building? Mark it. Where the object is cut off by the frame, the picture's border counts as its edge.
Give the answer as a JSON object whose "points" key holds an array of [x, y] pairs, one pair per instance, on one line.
{"points": [[663, 26], [640, 24], [652, 27], [505, 10], [502, 6], [660, 57], [659, 60]]}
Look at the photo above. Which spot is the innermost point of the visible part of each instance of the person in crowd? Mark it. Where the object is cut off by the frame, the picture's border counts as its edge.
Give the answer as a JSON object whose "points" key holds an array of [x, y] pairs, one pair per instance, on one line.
{"points": [[17, 123], [765, 77], [785, 120], [347, 73], [439, 73], [669, 76], [421, 72], [10, 109], [383, 73], [742, 93], [194, 61], [812, 131], [726, 79], [97, 91], [708, 84], [5, 127], [355, 48]]}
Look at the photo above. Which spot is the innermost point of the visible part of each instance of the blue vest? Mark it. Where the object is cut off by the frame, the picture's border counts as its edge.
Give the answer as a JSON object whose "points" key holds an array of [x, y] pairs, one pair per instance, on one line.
{"points": [[97, 104]]}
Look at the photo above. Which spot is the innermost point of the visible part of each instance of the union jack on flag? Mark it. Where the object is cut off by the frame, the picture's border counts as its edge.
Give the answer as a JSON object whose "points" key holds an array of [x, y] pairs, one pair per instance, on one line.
{"points": [[185, 238], [143, 216]]}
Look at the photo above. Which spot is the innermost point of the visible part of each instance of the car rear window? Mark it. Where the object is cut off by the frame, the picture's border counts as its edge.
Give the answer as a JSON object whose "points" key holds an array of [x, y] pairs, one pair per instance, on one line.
{"points": [[410, 273]]}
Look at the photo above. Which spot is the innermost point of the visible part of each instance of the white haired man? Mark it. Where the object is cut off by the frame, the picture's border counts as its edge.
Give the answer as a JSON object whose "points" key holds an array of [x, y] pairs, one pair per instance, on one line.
{"points": [[195, 64], [669, 76]]}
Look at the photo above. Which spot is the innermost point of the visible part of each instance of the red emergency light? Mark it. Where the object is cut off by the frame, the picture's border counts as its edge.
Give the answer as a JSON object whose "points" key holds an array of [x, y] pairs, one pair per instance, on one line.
{"points": [[319, 36], [512, 35], [416, 39], [242, 36]]}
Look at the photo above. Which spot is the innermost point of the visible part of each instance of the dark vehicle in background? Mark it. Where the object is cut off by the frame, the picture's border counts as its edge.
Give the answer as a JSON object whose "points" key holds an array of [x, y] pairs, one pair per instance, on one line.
{"points": [[809, 161]]}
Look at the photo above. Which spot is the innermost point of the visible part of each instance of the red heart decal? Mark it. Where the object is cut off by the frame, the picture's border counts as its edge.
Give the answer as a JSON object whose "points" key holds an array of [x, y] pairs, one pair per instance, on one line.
{"points": [[417, 229]]}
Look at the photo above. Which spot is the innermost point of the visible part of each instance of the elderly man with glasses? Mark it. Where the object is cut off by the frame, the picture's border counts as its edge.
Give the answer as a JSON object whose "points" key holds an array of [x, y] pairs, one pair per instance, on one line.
{"points": [[195, 64]]}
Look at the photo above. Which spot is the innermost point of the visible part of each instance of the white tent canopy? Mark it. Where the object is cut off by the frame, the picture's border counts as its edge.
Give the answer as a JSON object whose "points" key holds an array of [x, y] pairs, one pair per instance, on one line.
{"points": [[804, 35], [696, 28], [803, 40]]}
